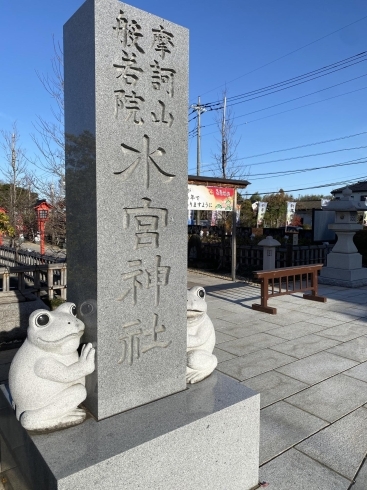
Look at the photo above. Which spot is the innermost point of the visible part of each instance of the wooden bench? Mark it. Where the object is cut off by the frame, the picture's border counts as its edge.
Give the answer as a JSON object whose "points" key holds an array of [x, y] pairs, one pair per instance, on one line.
{"points": [[287, 280]]}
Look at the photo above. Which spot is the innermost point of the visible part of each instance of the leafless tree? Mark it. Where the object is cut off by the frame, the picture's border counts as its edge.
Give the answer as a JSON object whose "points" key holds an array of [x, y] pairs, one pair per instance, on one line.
{"points": [[18, 182], [50, 134], [226, 154], [50, 142]]}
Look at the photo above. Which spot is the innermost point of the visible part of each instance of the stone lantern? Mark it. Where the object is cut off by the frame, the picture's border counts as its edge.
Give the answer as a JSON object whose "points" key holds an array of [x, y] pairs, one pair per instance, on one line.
{"points": [[344, 263], [269, 244]]}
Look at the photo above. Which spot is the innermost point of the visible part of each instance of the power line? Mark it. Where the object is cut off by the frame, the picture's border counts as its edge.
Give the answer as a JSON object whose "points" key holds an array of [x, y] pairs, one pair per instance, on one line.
{"points": [[303, 146], [338, 65], [303, 170], [330, 184], [291, 100], [300, 156], [287, 54], [295, 108], [209, 106]]}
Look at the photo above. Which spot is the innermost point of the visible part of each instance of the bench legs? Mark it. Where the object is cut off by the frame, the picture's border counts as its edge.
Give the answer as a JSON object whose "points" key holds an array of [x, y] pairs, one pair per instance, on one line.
{"points": [[313, 297], [264, 309]]}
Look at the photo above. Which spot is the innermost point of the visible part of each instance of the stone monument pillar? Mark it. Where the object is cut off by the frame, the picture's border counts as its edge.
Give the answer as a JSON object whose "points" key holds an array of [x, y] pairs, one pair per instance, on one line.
{"points": [[126, 99], [344, 263]]}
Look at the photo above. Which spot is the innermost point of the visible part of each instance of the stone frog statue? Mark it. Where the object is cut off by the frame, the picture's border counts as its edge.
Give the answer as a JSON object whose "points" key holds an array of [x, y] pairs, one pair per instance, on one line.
{"points": [[47, 376], [200, 337]]}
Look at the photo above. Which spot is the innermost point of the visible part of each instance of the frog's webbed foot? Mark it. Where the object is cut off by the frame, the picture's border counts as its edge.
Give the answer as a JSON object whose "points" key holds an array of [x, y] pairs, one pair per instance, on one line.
{"points": [[31, 421], [60, 413], [200, 364]]}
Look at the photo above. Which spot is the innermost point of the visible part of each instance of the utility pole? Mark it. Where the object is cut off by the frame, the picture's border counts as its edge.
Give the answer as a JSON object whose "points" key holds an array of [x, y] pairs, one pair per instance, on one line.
{"points": [[13, 186], [224, 139], [199, 110]]}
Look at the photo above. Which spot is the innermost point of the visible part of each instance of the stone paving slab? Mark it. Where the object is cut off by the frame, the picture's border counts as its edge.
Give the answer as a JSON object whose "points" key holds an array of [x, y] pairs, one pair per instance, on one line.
{"points": [[281, 426], [239, 331], [361, 478], [343, 317], [274, 386], [325, 321], [341, 446], [221, 337], [358, 372], [296, 471], [283, 319], [253, 364], [305, 346], [235, 318], [344, 332], [355, 349], [333, 398], [317, 367], [221, 355], [219, 323], [296, 330], [252, 343], [360, 312]]}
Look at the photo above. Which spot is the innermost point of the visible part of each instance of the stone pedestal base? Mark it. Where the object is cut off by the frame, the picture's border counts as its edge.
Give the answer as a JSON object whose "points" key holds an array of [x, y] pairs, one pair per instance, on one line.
{"points": [[353, 278], [205, 437], [344, 261]]}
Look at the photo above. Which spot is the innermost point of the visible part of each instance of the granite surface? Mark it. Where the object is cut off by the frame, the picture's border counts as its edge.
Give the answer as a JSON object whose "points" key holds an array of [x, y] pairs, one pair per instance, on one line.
{"points": [[294, 470], [347, 441], [126, 96], [198, 438]]}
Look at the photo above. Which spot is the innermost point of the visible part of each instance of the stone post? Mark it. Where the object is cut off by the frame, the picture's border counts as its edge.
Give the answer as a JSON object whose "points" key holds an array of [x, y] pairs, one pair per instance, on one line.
{"points": [[269, 250]]}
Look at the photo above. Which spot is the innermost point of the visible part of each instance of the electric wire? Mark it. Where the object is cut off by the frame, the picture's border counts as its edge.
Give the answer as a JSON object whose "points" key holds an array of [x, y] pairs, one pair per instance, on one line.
{"points": [[234, 167], [288, 101], [284, 173], [303, 146], [211, 105], [295, 108], [287, 54], [330, 184]]}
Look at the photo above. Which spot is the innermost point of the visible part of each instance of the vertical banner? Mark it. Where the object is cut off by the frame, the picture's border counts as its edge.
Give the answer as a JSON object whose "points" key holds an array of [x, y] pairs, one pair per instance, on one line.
{"points": [[190, 217], [291, 209], [261, 210], [238, 214], [365, 213]]}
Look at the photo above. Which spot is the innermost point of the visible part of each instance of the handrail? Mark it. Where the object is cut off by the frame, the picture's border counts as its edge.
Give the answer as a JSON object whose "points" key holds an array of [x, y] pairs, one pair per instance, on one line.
{"points": [[42, 276], [290, 280]]}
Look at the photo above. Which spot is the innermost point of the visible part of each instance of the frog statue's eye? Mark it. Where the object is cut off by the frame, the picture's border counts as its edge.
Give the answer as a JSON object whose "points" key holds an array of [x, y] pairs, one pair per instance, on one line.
{"points": [[73, 310], [201, 293], [42, 320]]}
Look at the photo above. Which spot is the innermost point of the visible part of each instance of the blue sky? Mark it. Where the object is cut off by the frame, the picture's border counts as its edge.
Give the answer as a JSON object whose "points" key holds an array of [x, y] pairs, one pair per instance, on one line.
{"points": [[242, 46]]}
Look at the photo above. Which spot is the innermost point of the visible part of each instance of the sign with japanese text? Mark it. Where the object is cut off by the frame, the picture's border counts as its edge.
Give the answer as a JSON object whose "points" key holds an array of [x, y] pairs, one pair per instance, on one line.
{"points": [[291, 209], [261, 210], [210, 198]]}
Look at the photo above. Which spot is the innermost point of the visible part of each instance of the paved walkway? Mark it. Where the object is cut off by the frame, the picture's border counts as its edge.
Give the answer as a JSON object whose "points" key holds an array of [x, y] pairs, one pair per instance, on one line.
{"points": [[309, 364]]}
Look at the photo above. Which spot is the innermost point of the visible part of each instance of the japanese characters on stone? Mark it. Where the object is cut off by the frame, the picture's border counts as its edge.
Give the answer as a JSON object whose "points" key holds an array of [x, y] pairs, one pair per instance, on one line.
{"points": [[136, 68]]}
